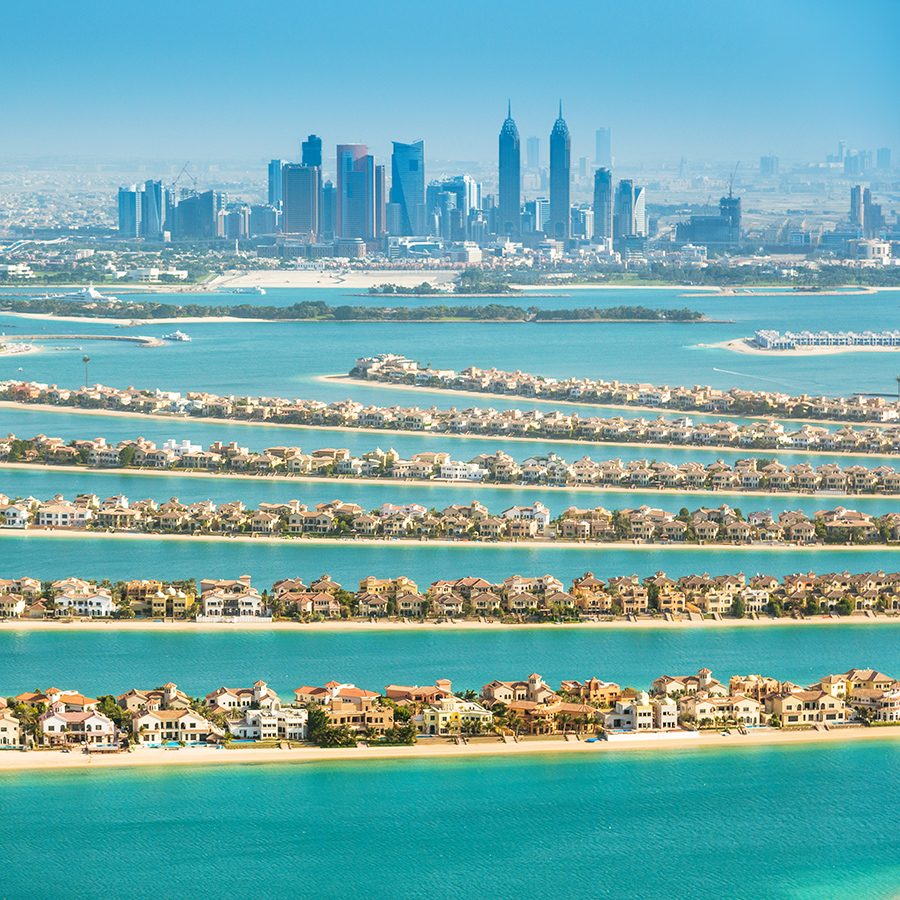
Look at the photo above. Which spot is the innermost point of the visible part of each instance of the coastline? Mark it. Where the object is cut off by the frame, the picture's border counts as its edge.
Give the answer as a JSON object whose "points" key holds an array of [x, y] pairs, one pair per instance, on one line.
{"points": [[256, 423], [339, 626], [44, 760], [436, 483], [744, 345], [306, 540]]}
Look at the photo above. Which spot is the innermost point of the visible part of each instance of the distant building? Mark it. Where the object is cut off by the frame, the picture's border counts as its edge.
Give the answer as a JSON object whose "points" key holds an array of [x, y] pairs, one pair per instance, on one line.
{"points": [[196, 216], [152, 211], [603, 205], [723, 229], [603, 148], [560, 179], [883, 159], [533, 154], [300, 205], [510, 202], [263, 219], [355, 201], [311, 151], [275, 182], [380, 203], [629, 211], [129, 209], [406, 213], [768, 165], [328, 211], [856, 206]]}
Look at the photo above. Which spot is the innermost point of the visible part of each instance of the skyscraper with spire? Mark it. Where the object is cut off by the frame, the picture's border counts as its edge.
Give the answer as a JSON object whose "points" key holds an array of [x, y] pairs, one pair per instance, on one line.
{"points": [[559, 224], [510, 201]]}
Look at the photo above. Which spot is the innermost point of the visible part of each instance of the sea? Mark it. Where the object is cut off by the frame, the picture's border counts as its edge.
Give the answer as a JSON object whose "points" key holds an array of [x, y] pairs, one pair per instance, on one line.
{"points": [[780, 822]]}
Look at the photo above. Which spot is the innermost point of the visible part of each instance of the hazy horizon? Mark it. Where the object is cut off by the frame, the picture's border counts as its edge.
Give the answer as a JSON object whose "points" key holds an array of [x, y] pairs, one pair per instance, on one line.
{"points": [[214, 81]]}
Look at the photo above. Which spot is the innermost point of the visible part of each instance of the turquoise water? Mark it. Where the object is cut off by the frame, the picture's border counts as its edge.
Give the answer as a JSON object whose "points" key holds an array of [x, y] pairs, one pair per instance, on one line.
{"points": [[767, 822], [98, 662], [796, 822]]}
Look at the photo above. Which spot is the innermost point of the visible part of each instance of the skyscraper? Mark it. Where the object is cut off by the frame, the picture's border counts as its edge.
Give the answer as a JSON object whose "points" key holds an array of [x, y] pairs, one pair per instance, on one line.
{"points": [[311, 151], [510, 203], [856, 206], [355, 206], [623, 210], [152, 211], [380, 203], [408, 188], [560, 179], [129, 206], [533, 154], [603, 148], [275, 182], [300, 203], [328, 211], [883, 159], [603, 205]]}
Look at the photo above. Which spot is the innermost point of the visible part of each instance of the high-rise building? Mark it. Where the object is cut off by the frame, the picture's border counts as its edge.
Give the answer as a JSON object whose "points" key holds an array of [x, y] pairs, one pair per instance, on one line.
{"points": [[300, 200], [623, 210], [640, 212], [328, 211], [311, 151], [152, 211], [856, 206], [275, 182], [408, 188], [533, 154], [381, 226], [263, 219], [722, 230], [603, 148], [872, 216], [510, 202], [768, 165], [196, 216], [603, 205], [883, 159], [560, 179], [355, 202], [129, 207]]}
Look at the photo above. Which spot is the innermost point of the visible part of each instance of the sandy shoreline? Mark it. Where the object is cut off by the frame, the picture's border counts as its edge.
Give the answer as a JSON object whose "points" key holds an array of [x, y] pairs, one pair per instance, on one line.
{"points": [[436, 542], [14, 761], [352, 626], [712, 448], [745, 345], [453, 392], [436, 483]]}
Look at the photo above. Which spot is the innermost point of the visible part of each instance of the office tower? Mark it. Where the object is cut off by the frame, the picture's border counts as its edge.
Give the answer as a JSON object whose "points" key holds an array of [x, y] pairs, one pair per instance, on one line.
{"points": [[263, 219], [872, 217], [196, 215], [582, 226], [381, 226], [603, 205], [129, 206], [300, 200], [311, 151], [328, 210], [408, 188], [582, 167], [560, 179], [883, 159], [640, 211], [856, 206], [466, 194], [603, 148], [152, 211], [768, 165], [842, 150], [533, 154], [275, 182], [355, 205], [723, 229], [510, 201], [623, 210], [233, 223]]}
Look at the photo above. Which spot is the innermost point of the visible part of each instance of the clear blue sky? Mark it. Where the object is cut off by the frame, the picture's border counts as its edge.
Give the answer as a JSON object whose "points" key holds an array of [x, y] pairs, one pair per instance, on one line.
{"points": [[220, 79]]}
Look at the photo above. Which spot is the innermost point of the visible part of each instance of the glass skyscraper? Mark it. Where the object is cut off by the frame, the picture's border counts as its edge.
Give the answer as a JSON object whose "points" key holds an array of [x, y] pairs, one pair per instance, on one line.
{"points": [[559, 226], [603, 205], [300, 204], [275, 182], [407, 216], [510, 202], [311, 151], [355, 207]]}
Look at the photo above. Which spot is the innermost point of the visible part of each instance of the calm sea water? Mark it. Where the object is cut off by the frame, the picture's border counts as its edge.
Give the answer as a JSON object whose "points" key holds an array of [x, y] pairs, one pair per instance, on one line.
{"points": [[775, 822], [794, 822]]}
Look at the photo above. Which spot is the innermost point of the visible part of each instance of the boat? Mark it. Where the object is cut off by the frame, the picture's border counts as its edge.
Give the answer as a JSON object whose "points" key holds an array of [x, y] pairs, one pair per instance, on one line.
{"points": [[88, 294], [249, 290], [177, 336]]}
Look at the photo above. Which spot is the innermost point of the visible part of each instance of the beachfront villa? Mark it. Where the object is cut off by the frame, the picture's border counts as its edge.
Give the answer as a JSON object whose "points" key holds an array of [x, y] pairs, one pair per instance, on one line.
{"points": [[163, 726]]}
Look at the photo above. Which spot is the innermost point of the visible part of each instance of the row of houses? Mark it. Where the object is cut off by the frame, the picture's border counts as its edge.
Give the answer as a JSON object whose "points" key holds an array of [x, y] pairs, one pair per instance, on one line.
{"points": [[587, 596], [397, 369], [463, 522], [165, 715], [498, 467], [537, 424]]}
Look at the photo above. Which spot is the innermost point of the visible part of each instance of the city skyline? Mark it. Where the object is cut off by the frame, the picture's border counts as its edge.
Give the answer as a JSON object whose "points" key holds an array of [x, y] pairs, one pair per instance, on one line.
{"points": [[730, 106]]}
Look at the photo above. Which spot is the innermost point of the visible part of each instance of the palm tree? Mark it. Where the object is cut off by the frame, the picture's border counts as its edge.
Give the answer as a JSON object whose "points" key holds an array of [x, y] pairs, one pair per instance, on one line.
{"points": [[85, 360]]}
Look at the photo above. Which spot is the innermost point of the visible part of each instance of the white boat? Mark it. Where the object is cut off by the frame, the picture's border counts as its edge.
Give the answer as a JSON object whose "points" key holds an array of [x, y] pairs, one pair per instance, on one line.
{"points": [[177, 336], [248, 290], [88, 294]]}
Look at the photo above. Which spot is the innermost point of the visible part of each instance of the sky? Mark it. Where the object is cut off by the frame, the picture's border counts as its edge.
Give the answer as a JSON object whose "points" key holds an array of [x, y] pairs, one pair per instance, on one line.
{"points": [[226, 80]]}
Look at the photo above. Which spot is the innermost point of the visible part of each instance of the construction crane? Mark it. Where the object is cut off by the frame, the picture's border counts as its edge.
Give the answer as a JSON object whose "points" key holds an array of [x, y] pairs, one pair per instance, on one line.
{"points": [[731, 179], [184, 171]]}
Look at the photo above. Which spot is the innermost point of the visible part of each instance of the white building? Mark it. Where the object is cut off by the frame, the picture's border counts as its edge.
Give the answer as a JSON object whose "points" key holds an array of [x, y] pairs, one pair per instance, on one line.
{"points": [[96, 604]]}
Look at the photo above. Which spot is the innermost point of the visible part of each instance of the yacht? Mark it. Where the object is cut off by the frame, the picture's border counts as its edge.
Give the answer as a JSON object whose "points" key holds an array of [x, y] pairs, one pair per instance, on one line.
{"points": [[177, 336], [249, 290]]}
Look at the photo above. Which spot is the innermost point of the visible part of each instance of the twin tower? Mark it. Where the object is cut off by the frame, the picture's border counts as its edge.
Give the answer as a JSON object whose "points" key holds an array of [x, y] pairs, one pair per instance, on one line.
{"points": [[510, 200]]}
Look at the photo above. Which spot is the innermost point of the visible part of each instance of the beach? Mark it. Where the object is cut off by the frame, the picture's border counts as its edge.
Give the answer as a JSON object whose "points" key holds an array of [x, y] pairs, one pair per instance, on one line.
{"points": [[15, 761]]}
